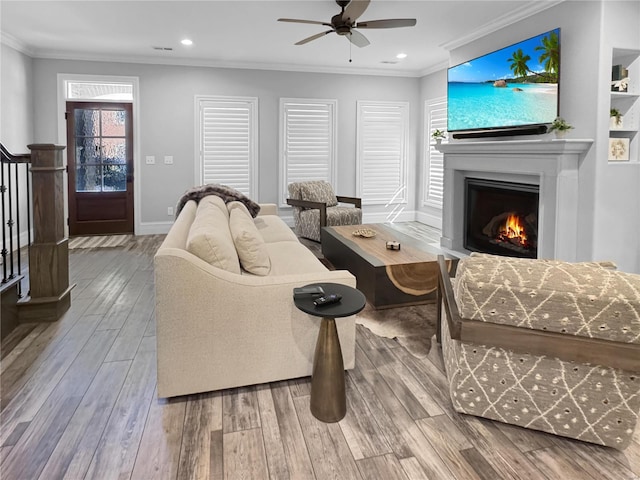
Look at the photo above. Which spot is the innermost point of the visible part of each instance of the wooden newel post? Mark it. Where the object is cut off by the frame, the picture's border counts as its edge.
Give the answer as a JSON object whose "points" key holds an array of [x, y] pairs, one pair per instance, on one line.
{"points": [[50, 292]]}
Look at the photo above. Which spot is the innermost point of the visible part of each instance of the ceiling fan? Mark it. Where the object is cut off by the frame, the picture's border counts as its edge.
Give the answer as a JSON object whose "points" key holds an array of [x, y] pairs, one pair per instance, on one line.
{"points": [[345, 23]]}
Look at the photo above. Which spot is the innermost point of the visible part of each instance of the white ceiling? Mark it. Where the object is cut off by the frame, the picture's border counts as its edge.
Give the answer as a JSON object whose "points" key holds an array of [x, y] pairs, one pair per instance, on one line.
{"points": [[246, 34]]}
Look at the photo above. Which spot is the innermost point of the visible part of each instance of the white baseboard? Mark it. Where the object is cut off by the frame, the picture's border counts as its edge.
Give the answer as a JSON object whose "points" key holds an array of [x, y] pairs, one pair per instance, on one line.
{"points": [[434, 221], [154, 228], [382, 217]]}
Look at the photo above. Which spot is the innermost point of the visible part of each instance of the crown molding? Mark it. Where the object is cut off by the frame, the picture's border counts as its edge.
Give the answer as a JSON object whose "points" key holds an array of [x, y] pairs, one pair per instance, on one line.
{"points": [[434, 68], [199, 62], [13, 42], [526, 10]]}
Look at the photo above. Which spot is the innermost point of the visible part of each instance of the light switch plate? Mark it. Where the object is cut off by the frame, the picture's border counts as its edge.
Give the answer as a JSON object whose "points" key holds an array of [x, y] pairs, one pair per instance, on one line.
{"points": [[168, 160], [150, 159]]}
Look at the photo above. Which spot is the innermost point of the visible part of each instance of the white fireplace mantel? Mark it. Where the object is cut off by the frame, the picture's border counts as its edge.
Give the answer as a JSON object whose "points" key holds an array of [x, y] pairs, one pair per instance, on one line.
{"points": [[550, 164]]}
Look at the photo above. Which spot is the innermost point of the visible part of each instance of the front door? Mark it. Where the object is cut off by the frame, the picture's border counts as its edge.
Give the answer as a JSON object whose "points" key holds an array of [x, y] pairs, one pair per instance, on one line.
{"points": [[100, 159]]}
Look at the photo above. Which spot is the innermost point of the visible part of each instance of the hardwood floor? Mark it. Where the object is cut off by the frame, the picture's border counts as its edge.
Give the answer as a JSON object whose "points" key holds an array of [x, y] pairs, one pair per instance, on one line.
{"points": [[79, 401]]}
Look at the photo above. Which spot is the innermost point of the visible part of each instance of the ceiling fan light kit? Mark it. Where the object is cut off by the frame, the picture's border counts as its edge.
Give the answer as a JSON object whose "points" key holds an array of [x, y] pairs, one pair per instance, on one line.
{"points": [[345, 23]]}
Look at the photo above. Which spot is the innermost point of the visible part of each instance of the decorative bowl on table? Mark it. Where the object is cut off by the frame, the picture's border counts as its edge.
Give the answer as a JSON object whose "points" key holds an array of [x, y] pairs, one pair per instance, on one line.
{"points": [[364, 232]]}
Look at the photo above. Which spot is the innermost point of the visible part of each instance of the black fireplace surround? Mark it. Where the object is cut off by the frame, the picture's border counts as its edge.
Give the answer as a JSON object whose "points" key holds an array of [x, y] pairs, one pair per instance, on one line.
{"points": [[501, 218]]}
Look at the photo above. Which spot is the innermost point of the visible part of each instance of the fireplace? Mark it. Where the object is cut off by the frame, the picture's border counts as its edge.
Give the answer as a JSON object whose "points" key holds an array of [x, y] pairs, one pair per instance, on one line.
{"points": [[551, 165], [501, 217]]}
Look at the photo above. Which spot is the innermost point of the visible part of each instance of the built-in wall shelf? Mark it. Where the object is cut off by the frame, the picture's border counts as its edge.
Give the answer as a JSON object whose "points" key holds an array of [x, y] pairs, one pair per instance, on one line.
{"points": [[628, 104]]}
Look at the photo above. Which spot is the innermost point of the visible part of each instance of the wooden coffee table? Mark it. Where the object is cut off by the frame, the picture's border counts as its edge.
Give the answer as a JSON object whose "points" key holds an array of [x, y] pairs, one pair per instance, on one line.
{"points": [[388, 278]]}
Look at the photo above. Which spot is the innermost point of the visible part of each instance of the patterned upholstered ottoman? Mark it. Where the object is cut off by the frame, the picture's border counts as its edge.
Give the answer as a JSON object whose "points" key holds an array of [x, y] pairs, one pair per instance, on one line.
{"points": [[587, 401]]}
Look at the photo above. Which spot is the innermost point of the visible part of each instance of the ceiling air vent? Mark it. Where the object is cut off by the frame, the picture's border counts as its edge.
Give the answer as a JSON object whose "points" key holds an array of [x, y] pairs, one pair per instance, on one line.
{"points": [[166, 49], [391, 62]]}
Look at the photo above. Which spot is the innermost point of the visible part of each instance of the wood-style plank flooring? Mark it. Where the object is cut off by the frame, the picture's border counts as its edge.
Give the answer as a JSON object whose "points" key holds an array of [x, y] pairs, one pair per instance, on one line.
{"points": [[79, 401]]}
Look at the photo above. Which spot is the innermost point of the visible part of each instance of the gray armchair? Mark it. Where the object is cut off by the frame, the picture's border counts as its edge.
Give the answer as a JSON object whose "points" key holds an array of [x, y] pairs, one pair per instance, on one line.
{"points": [[315, 205], [544, 344]]}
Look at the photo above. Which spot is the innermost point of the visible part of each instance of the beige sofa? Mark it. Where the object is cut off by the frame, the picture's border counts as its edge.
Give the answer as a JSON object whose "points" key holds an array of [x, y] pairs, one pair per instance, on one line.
{"points": [[217, 328]]}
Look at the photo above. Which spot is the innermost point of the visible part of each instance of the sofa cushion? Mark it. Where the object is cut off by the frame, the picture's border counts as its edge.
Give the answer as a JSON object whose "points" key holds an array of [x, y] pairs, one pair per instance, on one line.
{"points": [[318, 191], [586, 299], [218, 203], [273, 229], [249, 244], [292, 258], [209, 236]]}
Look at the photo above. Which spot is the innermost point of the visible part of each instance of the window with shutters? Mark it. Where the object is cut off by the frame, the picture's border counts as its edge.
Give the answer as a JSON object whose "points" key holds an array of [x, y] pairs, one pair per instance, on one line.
{"points": [[382, 137], [228, 135], [307, 141], [435, 117]]}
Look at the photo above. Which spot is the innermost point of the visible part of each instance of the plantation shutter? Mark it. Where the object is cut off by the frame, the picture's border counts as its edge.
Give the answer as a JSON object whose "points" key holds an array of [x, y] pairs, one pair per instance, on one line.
{"points": [[382, 152], [228, 142], [436, 116], [308, 136]]}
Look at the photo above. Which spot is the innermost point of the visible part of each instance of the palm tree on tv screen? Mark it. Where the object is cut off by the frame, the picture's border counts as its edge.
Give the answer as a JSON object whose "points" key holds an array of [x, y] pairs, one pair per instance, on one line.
{"points": [[519, 63], [550, 56]]}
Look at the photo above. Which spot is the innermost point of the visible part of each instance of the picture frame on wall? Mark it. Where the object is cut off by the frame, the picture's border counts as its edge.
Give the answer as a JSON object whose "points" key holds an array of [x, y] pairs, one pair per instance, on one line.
{"points": [[618, 149]]}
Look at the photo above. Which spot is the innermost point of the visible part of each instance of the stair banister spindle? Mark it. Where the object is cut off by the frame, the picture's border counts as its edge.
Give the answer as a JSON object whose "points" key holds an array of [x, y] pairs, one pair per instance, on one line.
{"points": [[19, 262], [28, 182], [3, 189]]}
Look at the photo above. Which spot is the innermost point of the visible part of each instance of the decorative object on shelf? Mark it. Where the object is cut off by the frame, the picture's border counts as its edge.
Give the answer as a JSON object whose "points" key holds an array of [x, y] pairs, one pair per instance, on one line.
{"points": [[619, 78], [560, 127], [615, 119], [620, 85], [364, 232], [438, 135], [393, 245], [618, 149]]}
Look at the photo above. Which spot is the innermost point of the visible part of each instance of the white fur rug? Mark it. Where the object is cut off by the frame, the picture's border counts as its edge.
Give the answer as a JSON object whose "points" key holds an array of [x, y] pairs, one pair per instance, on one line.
{"points": [[412, 326]]}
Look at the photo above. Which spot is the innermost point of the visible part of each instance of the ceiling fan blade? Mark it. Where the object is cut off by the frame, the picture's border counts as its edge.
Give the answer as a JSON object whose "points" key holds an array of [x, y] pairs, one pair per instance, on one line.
{"points": [[354, 10], [390, 23], [295, 20], [313, 37], [358, 39]]}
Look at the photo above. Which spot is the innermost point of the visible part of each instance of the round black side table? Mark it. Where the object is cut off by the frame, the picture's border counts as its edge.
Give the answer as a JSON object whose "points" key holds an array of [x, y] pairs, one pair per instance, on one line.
{"points": [[328, 399]]}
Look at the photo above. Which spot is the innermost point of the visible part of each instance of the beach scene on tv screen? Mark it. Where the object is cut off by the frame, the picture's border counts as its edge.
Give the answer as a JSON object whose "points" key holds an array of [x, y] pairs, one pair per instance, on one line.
{"points": [[514, 86]]}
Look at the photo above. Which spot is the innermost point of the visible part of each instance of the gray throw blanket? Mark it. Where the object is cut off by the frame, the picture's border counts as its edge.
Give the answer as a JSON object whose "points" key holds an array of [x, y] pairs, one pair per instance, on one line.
{"points": [[227, 194]]}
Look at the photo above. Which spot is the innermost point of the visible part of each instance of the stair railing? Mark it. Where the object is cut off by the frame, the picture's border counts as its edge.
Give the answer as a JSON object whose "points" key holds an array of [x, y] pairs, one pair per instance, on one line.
{"points": [[15, 205]]}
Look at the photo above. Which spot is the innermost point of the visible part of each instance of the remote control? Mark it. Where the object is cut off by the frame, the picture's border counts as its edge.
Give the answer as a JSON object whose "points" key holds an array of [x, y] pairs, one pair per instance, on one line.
{"points": [[327, 300], [315, 290]]}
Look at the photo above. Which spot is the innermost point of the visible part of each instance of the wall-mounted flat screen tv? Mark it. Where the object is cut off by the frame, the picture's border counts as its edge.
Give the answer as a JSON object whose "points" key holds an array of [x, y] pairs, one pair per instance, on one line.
{"points": [[508, 90]]}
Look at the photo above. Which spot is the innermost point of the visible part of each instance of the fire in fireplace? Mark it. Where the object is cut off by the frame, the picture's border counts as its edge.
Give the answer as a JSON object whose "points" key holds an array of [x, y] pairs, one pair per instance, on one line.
{"points": [[501, 218]]}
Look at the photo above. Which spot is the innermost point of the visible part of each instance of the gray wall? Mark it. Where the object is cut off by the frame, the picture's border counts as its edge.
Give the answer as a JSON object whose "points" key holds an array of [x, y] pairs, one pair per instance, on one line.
{"points": [[617, 210], [609, 195], [16, 98], [167, 118], [16, 118], [432, 86], [580, 46], [609, 223]]}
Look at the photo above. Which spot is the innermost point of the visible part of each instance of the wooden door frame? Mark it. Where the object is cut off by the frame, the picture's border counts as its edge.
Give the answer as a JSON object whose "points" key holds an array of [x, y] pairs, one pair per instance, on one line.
{"points": [[62, 80], [129, 227]]}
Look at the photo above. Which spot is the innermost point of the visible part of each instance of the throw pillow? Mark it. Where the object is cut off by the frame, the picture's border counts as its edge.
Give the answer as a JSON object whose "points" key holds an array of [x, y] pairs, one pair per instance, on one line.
{"points": [[249, 244], [210, 238], [318, 191]]}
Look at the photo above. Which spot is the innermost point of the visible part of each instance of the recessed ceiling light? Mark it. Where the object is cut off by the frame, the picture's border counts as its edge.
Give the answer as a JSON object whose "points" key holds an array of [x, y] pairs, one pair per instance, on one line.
{"points": [[401, 55], [187, 42]]}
